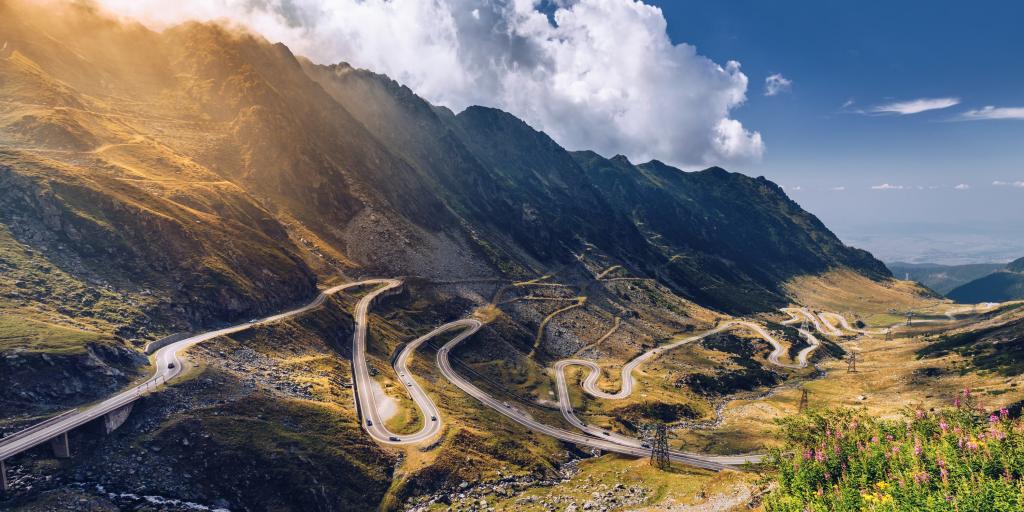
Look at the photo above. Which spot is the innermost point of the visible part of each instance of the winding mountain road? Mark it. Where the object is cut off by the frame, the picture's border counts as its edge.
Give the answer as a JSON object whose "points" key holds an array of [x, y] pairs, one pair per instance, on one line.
{"points": [[363, 385], [626, 388], [168, 365], [711, 462]]}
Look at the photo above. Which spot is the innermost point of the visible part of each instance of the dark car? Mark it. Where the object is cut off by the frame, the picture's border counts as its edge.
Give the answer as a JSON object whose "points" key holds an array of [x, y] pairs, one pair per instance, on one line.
{"points": [[433, 418], [170, 365], [369, 423], [393, 438]]}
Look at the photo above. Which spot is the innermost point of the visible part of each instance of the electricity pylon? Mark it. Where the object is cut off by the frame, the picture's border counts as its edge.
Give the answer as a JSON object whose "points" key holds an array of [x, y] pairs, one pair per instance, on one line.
{"points": [[659, 446], [803, 401]]}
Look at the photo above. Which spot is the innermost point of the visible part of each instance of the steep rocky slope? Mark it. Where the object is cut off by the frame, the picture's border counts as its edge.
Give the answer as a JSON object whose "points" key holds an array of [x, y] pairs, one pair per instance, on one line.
{"points": [[719, 238]]}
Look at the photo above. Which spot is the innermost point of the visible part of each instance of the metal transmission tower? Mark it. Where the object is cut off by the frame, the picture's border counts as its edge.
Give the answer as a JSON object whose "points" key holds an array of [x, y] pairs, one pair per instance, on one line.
{"points": [[888, 334], [910, 318], [851, 363], [659, 446], [803, 401]]}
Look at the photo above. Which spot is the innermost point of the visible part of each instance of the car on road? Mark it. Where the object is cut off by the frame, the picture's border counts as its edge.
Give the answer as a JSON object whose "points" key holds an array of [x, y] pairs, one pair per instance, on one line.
{"points": [[369, 423], [433, 418], [393, 438], [170, 366], [253, 321], [507, 405], [645, 445]]}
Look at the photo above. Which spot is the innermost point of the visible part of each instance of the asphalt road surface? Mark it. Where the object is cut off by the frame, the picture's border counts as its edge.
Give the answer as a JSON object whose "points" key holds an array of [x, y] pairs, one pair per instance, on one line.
{"points": [[626, 388], [168, 365]]}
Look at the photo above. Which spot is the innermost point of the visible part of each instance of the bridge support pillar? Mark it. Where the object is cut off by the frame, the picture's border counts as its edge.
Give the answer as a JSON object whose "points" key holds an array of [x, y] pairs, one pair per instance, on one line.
{"points": [[61, 448], [114, 419], [4, 484]]}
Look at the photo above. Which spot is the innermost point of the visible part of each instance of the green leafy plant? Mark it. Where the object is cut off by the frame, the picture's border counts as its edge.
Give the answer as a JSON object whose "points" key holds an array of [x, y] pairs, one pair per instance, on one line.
{"points": [[958, 459]]}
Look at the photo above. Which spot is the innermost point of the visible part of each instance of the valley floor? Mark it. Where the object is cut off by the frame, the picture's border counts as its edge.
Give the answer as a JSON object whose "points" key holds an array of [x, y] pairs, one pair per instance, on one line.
{"points": [[293, 377]]}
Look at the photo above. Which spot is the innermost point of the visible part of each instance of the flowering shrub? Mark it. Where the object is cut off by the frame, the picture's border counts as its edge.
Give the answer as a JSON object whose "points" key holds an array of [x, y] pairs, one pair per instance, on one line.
{"points": [[960, 459]]}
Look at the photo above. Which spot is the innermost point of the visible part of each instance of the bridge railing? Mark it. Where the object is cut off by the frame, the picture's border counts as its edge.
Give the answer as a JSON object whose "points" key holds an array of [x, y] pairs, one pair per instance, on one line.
{"points": [[35, 428]]}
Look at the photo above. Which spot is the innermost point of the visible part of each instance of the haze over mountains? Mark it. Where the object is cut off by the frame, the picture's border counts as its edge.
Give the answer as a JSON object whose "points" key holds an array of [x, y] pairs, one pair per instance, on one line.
{"points": [[942, 278]]}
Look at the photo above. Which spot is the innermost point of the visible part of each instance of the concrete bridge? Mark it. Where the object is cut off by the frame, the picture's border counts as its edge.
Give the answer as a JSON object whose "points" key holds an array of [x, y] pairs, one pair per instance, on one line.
{"points": [[55, 431]]}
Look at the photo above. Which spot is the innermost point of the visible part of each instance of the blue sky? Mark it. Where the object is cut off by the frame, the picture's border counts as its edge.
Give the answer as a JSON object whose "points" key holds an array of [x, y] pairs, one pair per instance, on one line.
{"points": [[877, 53]]}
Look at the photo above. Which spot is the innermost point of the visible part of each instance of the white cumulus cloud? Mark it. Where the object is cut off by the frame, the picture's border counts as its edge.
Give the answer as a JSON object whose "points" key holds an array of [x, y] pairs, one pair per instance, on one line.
{"points": [[1016, 184], [915, 106], [887, 186], [594, 74], [776, 83], [991, 112], [838, 189], [962, 186]]}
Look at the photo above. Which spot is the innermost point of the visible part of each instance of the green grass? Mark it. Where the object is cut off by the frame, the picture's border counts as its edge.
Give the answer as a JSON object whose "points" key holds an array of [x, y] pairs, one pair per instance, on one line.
{"points": [[995, 348], [31, 285], [19, 333]]}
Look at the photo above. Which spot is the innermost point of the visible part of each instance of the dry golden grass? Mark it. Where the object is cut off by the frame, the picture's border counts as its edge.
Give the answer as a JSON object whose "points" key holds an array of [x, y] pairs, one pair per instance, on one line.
{"points": [[844, 291], [890, 377]]}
